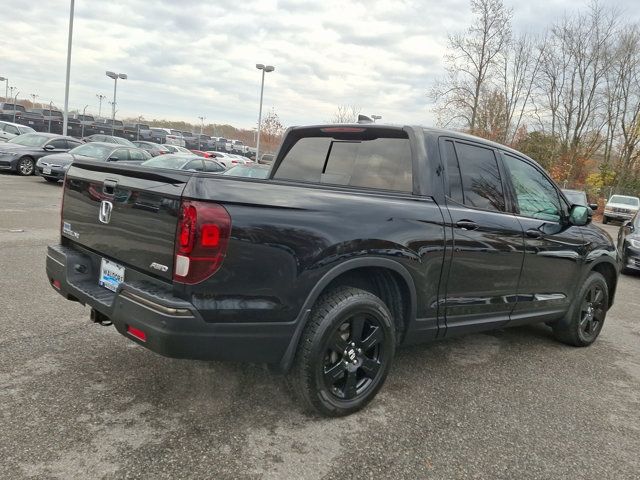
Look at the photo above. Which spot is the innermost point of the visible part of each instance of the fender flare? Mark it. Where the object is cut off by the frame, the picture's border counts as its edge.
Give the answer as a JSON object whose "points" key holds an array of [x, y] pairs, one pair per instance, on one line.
{"points": [[335, 272]]}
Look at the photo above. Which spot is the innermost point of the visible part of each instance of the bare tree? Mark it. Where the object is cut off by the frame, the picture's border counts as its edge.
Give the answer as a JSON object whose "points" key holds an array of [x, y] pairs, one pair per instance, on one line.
{"points": [[472, 62], [346, 114]]}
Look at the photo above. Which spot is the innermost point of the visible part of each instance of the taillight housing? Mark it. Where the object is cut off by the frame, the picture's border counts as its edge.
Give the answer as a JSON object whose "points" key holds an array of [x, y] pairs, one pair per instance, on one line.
{"points": [[202, 238]]}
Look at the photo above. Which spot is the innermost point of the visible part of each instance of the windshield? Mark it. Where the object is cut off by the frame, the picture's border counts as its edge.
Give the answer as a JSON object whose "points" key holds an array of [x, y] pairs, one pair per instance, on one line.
{"points": [[176, 132], [174, 162], [30, 140], [92, 150], [576, 198], [633, 201], [26, 129]]}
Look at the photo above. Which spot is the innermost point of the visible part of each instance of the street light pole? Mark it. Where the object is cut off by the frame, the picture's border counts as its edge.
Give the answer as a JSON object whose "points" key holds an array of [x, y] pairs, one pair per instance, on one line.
{"points": [[115, 77], [84, 111], [33, 96], [100, 97], [50, 115], [65, 121], [265, 69], [202, 119], [15, 101], [6, 87]]}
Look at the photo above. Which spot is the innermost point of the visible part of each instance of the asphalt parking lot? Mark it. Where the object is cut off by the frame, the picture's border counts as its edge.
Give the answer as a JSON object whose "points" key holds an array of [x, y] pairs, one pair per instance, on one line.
{"points": [[80, 401]]}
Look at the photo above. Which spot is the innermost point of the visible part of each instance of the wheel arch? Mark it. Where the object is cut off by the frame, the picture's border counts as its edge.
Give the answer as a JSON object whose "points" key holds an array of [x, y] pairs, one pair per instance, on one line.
{"points": [[610, 273], [384, 277]]}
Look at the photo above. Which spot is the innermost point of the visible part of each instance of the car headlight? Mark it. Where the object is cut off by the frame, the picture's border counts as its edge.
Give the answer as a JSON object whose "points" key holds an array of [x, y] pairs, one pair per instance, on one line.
{"points": [[634, 242]]}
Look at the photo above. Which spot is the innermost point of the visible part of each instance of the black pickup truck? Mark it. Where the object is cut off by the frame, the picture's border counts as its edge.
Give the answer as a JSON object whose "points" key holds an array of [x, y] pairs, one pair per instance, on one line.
{"points": [[363, 238]]}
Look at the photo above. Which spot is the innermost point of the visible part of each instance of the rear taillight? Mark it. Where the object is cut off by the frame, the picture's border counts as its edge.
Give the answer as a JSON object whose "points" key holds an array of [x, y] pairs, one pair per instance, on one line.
{"points": [[202, 237]]}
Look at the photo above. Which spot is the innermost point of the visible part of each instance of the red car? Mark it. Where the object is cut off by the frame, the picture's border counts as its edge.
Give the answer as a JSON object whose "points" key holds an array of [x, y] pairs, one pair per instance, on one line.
{"points": [[202, 154]]}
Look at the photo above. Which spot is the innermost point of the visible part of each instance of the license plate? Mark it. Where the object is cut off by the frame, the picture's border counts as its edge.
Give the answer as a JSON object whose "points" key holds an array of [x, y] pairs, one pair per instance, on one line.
{"points": [[111, 275], [46, 171]]}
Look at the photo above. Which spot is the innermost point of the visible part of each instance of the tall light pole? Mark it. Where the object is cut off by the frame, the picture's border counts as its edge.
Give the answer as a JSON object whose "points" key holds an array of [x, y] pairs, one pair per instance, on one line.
{"points": [[6, 87], [50, 114], [33, 98], [265, 69], [15, 103], [84, 111], [202, 119], [115, 77], [65, 121], [100, 97]]}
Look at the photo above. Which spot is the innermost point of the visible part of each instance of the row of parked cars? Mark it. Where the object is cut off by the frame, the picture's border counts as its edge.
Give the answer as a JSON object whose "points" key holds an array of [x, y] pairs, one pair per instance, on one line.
{"points": [[51, 120], [50, 155]]}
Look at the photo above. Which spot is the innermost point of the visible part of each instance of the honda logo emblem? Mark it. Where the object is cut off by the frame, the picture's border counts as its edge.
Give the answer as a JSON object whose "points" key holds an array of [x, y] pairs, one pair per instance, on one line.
{"points": [[105, 211]]}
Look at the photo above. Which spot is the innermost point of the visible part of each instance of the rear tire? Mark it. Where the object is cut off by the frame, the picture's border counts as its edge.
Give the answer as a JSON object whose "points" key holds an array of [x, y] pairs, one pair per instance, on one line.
{"points": [[585, 319], [26, 166], [345, 352]]}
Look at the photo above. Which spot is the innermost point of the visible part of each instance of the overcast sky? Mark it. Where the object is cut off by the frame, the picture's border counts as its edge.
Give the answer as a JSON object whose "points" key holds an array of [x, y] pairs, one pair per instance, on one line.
{"points": [[189, 58]]}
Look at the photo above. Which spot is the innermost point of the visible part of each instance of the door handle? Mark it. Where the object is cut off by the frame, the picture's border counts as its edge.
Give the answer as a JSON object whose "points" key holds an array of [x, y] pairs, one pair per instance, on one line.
{"points": [[533, 233], [466, 225]]}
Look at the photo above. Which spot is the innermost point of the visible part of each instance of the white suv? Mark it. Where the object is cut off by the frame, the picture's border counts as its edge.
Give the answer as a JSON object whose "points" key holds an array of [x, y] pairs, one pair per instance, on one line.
{"points": [[10, 130], [620, 207]]}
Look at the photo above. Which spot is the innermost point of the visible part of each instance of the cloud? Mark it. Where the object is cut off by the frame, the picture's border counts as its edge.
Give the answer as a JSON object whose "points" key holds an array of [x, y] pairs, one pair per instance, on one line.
{"points": [[191, 58]]}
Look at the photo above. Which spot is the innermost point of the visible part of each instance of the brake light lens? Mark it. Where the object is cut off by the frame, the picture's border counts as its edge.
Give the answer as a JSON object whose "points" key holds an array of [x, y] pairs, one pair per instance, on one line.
{"points": [[202, 238], [342, 130]]}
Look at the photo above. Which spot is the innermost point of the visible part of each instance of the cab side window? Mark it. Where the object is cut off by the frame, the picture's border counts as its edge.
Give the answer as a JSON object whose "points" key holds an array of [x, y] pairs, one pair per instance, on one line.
{"points": [[536, 197], [479, 175], [59, 143]]}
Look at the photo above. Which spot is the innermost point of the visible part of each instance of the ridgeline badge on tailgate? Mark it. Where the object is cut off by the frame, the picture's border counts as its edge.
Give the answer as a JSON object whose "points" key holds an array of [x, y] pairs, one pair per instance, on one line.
{"points": [[105, 211]]}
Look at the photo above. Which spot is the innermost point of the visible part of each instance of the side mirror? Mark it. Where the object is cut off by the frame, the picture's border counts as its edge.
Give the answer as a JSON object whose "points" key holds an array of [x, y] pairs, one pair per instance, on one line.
{"points": [[112, 158], [579, 215], [48, 148], [594, 206], [628, 224]]}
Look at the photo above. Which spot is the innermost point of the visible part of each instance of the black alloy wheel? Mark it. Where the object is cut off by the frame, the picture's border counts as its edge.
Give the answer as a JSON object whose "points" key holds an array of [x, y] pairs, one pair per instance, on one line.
{"points": [[354, 356], [344, 353], [583, 323]]}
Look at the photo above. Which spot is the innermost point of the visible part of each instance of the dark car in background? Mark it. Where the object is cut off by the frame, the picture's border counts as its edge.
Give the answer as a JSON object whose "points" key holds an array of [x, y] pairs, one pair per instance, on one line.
{"points": [[21, 153], [190, 139], [108, 126], [98, 137], [579, 197], [16, 113], [52, 119], [143, 131], [629, 245], [191, 163], [54, 167], [204, 142], [249, 171], [154, 149]]}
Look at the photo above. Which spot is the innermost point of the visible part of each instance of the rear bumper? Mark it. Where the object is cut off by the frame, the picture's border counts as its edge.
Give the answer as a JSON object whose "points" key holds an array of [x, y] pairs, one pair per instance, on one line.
{"points": [[56, 172], [172, 326]]}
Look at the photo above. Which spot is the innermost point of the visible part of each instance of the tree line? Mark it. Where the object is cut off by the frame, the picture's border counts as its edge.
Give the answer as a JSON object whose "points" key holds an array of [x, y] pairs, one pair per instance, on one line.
{"points": [[568, 97]]}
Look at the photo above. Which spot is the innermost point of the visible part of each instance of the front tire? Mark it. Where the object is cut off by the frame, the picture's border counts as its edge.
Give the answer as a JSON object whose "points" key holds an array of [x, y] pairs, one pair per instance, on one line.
{"points": [[26, 166], [345, 352], [585, 319]]}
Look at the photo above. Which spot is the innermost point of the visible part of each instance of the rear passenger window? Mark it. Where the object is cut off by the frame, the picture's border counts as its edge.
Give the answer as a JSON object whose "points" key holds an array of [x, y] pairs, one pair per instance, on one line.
{"points": [[453, 172], [381, 163], [481, 183]]}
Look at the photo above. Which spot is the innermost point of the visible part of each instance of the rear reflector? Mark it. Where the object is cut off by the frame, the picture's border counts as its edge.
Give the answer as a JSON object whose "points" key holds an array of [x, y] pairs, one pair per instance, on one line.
{"points": [[139, 334], [56, 284]]}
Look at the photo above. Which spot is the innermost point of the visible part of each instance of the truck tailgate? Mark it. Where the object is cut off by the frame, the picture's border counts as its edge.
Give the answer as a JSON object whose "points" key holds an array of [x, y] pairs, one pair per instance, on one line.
{"points": [[126, 213]]}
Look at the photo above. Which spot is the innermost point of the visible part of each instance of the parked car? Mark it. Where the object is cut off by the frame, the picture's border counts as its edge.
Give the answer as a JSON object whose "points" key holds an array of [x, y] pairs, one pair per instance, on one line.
{"points": [[251, 171], [54, 167], [21, 153], [85, 124], [190, 140], [167, 136], [220, 144], [52, 119], [10, 130], [266, 158], [620, 207], [143, 131], [98, 137], [187, 162], [176, 149], [200, 153], [234, 146], [205, 142], [226, 159], [579, 197], [154, 149], [629, 244], [326, 266], [16, 113]]}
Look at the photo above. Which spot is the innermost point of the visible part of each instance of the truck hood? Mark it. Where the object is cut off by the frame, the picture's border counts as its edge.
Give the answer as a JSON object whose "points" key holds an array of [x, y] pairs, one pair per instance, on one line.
{"points": [[621, 205]]}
